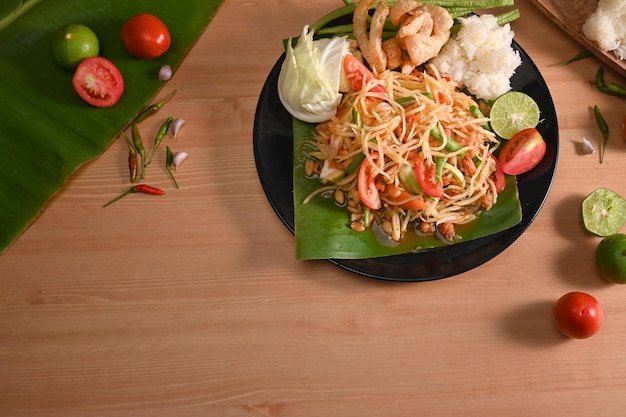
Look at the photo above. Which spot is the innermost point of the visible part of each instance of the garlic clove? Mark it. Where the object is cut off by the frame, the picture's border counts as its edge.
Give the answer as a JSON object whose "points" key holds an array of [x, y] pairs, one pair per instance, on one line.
{"points": [[165, 73], [587, 147], [178, 159], [176, 125]]}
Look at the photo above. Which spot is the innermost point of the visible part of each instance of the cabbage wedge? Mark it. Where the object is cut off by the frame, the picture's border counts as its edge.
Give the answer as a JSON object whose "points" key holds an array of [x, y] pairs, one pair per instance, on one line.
{"points": [[309, 81], [47, 131]]}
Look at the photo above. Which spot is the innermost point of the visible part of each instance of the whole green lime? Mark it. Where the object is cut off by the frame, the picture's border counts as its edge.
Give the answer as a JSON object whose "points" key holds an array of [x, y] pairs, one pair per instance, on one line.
{"points": [[611, 258], [72, 44]]}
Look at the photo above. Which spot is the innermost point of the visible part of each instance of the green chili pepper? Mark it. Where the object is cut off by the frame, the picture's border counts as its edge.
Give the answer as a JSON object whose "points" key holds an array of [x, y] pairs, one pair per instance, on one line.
{"points": [[577, 57], [140, 149], [604, 129], [612, 88], [159, 137], [133, 159], [616, 89], [600, 81], [152, 108], [169, 159]]}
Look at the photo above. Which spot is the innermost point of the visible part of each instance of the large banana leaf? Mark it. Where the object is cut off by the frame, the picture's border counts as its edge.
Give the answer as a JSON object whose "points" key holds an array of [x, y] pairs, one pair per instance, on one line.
{"points": [[322, 228], [46, 130]]}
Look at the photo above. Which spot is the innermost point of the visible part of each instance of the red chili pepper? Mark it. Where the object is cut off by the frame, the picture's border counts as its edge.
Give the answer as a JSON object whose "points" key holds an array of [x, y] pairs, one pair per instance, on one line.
{"points": [[133, 159], [148, 189], [133, 166], [139, 188]]}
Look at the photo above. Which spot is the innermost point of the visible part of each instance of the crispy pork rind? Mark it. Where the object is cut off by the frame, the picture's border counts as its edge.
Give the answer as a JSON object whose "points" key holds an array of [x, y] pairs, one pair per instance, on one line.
{"points": [[422, 31]]}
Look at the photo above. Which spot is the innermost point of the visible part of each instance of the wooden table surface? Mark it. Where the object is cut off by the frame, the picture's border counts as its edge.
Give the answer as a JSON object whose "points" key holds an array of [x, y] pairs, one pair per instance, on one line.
{"points": [[192, 304]]}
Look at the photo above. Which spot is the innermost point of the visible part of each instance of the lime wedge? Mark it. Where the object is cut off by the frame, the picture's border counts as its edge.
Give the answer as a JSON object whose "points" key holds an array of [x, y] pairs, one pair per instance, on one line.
{"points": [[513, 112], [604, 212]]}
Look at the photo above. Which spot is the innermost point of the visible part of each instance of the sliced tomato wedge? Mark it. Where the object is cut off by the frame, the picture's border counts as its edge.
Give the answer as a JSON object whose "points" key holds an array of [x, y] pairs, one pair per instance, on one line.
{"points": [[426, 175], [358, 74], [522, 152], [368, 193], [98, 81]]}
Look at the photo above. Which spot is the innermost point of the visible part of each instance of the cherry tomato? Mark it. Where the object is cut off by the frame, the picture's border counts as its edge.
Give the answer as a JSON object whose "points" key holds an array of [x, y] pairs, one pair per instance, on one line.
{"points": [[427, 178], [499, 178], [358, 74], [522, 152], [98, 81], [145, 36], [578, 315], [367, 187]]}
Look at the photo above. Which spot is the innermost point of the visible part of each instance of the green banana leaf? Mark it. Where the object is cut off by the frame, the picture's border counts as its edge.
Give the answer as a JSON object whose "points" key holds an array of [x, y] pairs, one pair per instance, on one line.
{"points": [[322, 228], [47, 131]]}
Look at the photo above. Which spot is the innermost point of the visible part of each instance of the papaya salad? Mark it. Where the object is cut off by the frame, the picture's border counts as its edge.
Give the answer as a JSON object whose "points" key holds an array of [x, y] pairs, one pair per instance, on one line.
{"points": [[397, 142]]}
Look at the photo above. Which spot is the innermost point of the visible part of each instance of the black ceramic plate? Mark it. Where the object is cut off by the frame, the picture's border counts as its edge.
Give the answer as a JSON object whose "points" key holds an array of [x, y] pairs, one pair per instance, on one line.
{"points": [[273, 152]]}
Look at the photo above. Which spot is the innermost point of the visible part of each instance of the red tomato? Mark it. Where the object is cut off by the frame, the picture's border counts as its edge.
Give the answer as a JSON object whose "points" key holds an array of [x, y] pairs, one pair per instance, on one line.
{"points": [[145, 36], [427, 178], [358, 74], [522, 152], [499, 178], [98, 81], [578, 315], [367, 187]]}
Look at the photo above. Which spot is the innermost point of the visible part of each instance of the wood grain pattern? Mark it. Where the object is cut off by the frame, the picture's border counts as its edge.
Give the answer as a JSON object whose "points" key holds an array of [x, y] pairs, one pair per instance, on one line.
{"points": [[192, 304], [570, 15]]}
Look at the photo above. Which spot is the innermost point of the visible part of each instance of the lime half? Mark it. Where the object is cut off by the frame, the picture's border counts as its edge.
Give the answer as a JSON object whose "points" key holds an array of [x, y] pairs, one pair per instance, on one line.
{"points": [[513, 112], [604, 212]]}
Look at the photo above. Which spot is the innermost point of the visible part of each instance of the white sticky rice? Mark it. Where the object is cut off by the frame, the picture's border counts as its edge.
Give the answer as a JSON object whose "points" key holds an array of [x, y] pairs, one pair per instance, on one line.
{"points": [[480, 56], [607, 26]]}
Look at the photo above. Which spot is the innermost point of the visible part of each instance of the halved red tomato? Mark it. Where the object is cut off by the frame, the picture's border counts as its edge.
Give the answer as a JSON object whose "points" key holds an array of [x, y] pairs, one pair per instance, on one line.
{"points": [[367, 187], [358, 74], [426, 175], [98, 81], [522, 152]]}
